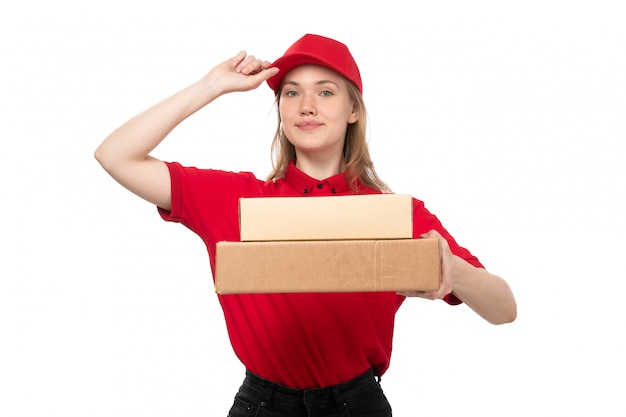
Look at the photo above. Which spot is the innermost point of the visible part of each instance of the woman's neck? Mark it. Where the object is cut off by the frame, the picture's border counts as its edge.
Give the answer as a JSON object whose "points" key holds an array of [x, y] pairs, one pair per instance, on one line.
{"points": [[319, 167]]}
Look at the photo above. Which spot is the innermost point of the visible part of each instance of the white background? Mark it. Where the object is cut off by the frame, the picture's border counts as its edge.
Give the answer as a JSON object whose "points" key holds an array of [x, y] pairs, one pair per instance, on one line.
{"points": [[506, 118]]}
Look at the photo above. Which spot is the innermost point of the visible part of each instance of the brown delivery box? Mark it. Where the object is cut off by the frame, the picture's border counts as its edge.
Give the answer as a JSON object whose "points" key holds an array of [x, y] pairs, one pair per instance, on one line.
{"points": [[328, 266], [369, 216]]}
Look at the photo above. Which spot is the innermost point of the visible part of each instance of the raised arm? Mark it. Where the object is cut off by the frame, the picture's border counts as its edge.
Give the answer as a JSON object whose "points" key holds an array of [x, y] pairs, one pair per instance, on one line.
{"points": [[125, 153]]}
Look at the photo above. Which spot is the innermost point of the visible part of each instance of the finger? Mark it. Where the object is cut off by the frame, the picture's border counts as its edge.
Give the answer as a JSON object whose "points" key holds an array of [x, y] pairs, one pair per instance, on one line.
{"points": [[422, 294], [253, 66], [237, 59], [263, 74], [431, 233], [248, 64], [431, 295], [242, 60]]}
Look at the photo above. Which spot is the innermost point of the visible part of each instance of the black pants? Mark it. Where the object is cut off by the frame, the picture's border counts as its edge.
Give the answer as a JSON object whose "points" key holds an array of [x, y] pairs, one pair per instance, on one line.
{"points": [[359, 397]]}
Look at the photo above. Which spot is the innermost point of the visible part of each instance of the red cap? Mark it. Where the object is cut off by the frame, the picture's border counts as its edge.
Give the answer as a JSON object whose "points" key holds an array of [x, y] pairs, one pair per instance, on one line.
{"points": [[318, 50]]}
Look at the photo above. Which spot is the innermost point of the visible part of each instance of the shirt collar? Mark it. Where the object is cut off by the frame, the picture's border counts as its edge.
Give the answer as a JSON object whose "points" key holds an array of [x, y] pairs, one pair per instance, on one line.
{"points": [[306, 185]]}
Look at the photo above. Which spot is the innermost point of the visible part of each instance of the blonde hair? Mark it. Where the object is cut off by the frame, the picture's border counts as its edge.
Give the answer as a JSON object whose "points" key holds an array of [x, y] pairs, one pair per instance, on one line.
{"points": [[356, 155]]}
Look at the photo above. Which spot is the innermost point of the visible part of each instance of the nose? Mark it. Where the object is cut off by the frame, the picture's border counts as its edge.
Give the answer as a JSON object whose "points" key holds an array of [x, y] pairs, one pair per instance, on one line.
{"points": [[307, 105]]}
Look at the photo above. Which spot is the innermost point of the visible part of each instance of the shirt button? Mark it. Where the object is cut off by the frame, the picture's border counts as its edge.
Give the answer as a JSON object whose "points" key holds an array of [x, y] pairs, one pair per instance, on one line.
{"points": [[305, 191], [319, 186]]}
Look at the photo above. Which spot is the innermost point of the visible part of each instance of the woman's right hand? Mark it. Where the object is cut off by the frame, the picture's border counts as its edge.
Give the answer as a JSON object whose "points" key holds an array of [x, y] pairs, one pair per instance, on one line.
{"points": [[242, 72]]}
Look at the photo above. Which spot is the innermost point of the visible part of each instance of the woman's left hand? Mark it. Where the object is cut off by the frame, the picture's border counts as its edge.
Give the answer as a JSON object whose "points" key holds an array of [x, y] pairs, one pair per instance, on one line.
{"points": [[447, 262]]}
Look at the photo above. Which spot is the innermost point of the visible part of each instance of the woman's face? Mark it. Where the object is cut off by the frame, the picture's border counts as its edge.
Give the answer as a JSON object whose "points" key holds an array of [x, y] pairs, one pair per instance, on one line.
{"points": [[315, 109]]}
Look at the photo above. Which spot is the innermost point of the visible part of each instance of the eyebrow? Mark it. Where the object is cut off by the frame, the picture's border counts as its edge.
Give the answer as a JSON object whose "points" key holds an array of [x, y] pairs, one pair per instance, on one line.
{"points": [[320, 82]]}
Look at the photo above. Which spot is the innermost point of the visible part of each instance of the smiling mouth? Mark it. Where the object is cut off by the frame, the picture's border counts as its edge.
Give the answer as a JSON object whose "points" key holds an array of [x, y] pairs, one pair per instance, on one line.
{"points": [[308, 125]]}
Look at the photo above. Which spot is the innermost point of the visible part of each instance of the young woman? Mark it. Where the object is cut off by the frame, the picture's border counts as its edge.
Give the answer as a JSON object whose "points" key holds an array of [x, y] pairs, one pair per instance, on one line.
{"points": [[320, 353]]}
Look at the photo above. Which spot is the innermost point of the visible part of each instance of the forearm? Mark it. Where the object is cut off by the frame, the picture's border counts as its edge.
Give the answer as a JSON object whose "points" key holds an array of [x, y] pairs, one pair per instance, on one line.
{"points": [[136, 138], [125, 153], [487, 294]]}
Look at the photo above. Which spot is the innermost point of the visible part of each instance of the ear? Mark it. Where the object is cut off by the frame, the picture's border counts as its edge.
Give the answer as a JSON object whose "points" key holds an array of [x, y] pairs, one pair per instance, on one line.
{"points": [[354, 114]]}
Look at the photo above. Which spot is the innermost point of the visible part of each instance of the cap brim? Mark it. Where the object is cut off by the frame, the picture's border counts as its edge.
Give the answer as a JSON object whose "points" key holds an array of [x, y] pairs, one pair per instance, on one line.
{"points": [[289, 62]]}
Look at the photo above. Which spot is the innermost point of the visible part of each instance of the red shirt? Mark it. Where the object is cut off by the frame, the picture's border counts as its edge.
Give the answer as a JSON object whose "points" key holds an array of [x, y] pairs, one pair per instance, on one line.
{"points": [[306, 340]]}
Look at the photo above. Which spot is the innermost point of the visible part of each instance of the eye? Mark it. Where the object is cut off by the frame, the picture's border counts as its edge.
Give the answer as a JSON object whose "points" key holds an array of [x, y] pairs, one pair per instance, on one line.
{"points": [[289, 93], [326, 93]]}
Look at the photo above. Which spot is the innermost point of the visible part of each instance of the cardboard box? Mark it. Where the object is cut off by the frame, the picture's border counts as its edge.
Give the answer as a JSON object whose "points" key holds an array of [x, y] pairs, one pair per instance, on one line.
{"points": [[371, 216], [327, 266]]}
